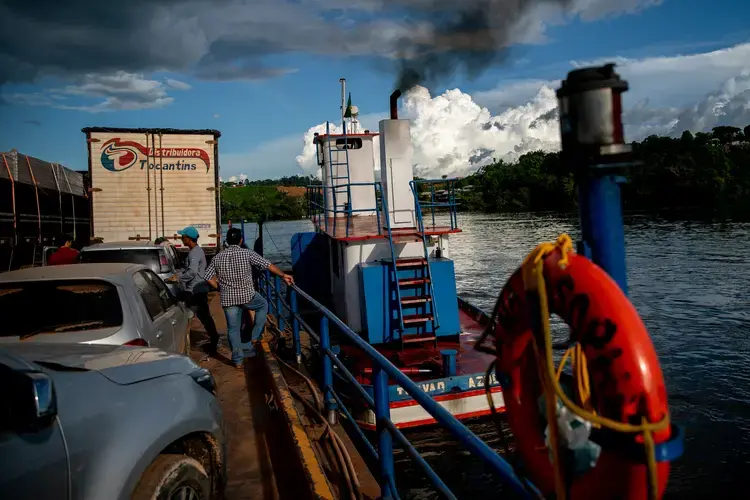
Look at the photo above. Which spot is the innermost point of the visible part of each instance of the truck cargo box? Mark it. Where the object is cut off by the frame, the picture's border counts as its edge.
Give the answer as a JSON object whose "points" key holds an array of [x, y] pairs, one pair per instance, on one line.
{"points": [[150, 183]]}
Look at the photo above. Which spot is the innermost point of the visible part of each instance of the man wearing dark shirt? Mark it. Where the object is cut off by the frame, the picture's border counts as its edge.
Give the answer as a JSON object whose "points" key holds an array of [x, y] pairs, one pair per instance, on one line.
{"points": [[230, 272], [65, 254], [196, 290]]}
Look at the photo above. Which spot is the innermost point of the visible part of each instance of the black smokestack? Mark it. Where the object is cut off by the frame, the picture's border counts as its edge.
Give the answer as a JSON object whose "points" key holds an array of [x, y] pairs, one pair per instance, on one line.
{"points": [[466, 35]]}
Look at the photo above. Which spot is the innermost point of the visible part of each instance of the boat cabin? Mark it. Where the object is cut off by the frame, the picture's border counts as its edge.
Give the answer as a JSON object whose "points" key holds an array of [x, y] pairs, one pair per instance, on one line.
{"points": [[389, 274]]}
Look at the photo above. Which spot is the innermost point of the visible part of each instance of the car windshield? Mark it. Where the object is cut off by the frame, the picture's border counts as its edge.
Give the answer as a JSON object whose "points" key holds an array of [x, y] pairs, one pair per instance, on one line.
{"points": [[47, 307], [155, 259]]}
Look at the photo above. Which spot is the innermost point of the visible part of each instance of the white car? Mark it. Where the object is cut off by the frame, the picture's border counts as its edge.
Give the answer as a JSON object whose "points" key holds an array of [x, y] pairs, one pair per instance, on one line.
{"points": [[120, 304]]}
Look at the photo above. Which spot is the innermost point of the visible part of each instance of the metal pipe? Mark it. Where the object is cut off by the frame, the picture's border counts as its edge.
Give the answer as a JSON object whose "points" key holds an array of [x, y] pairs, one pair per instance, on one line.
{"points": [[449, 362], [279, 311], [295, 326], [161, 181], [148, 187], [325, 343], [385, 440], [419, 460], [439, 413], [408, 370], [394, 104], [590, 102], [343, 98]]}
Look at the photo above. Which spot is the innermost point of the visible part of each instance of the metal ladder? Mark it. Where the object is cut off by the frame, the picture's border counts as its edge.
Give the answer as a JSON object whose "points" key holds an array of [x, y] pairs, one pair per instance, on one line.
{"points": [[339, 187], [424, 296]]}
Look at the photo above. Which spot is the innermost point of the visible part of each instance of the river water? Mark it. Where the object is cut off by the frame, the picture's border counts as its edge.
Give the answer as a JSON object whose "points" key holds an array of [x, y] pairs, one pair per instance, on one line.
{"points": [[689, 281]]}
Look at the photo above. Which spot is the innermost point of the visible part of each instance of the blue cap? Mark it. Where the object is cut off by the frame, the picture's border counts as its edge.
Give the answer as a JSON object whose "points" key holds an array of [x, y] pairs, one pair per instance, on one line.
{"points": [[190, 232]]}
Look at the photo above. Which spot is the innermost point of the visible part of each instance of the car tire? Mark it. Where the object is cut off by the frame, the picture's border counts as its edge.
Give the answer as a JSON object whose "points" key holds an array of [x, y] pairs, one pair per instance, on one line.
{"points": [[169, 475]]}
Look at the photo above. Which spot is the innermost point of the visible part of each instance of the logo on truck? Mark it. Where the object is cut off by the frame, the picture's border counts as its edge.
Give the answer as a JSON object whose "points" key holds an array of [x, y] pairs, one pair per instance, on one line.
{"points": [[118, 155]]}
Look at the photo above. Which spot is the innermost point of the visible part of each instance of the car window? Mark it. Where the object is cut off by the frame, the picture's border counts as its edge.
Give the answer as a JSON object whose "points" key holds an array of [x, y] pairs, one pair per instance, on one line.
{"points": [[149, 293], [173, 253], [165, 296], [56, 306], [153, 258]]}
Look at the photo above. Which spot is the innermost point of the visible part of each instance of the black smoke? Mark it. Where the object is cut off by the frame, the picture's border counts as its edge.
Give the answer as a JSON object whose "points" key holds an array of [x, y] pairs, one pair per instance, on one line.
{"points": [[459, 35]]}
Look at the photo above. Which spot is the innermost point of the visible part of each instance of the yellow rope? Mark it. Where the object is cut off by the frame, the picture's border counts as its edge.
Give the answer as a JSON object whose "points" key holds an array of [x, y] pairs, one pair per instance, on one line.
{"points": [[533, 275]]}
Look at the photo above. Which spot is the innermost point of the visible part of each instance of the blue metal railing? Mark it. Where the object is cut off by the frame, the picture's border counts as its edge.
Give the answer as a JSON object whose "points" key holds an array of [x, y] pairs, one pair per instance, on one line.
{"points": [[394, 268], [317, 200], [383, 370], [438, 200]]}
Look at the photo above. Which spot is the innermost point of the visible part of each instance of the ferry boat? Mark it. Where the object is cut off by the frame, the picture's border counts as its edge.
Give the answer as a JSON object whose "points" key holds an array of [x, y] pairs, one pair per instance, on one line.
{"points": [[380, 258]]}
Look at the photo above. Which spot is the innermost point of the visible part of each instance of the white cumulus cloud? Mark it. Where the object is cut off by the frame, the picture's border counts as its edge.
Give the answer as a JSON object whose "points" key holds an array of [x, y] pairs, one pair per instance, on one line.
{"points": [[455, 133]]}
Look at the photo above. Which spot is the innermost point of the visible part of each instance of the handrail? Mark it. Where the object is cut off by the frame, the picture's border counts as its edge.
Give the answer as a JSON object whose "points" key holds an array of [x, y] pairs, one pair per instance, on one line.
{"points": [[383, 370], [392, 249], [450, 204], [420, 227], [317, 204]]}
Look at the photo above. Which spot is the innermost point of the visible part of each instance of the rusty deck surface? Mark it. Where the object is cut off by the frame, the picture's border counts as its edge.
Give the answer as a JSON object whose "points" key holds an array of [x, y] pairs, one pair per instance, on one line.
{"points": [[366, 227], [272, 452]]}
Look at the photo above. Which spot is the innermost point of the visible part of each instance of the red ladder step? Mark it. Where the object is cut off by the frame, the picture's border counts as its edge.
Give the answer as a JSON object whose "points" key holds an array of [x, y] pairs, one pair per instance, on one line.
{"points": [[413, 281], [417, 299], [411, 319], [411, 262], [410, 339]]}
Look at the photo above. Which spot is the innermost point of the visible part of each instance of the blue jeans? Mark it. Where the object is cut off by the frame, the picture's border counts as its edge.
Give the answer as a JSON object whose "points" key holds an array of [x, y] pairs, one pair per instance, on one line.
{"points": [[233, 315]]}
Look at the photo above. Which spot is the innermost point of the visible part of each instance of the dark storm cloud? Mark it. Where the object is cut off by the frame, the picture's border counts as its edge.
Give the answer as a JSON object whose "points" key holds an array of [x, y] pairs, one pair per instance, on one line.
{"points": [[242, 39], [468, 35]]}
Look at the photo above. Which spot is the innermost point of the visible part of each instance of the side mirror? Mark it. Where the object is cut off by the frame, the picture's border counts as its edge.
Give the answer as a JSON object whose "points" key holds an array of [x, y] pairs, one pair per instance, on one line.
{"points": [[33, 403]]}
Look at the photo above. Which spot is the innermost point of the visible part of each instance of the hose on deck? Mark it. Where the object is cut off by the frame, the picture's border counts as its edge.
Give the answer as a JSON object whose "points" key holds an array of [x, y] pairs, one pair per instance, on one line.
{"points": [[350, 473]]}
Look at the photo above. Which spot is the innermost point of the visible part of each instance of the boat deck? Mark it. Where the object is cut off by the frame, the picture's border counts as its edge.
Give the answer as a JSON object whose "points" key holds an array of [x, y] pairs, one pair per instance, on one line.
{"points": [[366, 227], [469, 361], [270, 457]]}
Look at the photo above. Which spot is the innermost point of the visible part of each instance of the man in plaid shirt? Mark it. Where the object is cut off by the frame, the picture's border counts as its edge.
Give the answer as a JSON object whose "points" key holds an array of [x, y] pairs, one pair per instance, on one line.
{"points": [[231, 272]]}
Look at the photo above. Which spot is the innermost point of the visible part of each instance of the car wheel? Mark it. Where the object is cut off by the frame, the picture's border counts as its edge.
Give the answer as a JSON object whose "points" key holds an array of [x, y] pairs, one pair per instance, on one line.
{"points": [[174, 477]]}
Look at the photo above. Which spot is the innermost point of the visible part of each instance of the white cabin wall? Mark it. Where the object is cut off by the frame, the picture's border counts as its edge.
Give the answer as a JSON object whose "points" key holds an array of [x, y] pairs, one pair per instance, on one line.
{"points": [[347, 286], [361, 170]]}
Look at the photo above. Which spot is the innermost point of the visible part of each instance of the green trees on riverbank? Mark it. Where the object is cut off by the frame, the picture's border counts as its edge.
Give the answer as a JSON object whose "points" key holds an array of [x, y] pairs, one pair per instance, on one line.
{"points": [[260, 202], [707, 174], [703, 174]]}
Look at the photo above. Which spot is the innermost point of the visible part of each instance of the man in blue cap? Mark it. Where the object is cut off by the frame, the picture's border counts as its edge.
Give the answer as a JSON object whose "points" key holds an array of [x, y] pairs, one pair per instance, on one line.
{"points": [[196, 289]]}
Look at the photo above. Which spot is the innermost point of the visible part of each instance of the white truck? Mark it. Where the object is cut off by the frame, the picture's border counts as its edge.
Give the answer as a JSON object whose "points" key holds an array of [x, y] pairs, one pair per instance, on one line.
{"points": [[151, 183]]}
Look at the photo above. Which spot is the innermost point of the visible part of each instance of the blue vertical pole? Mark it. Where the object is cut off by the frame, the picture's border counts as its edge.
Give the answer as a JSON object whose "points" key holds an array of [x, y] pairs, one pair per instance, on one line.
{"points": [[449, 362], [279, 309], [295, 325], [267, 274], [593, 144], [325, 345], [385, 440], [602, 228]]}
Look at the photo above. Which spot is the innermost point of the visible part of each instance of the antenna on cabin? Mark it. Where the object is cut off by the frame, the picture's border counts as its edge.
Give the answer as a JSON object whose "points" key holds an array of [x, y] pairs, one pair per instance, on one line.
{"points": [[343, 98]]}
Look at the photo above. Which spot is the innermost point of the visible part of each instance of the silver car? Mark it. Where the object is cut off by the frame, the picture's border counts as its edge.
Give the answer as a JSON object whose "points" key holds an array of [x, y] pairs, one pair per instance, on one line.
{"points": [[91, 422], [161, 259], [121, 304]]}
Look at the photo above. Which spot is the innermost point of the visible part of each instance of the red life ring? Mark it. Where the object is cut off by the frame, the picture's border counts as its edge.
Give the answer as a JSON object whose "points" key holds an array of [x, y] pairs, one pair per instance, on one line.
{"points": [[626, 380]]}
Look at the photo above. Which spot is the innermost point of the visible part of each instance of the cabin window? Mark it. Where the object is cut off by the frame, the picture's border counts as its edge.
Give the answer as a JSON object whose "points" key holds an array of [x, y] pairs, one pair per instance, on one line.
{"points": [[349, 143], [319, 153]]}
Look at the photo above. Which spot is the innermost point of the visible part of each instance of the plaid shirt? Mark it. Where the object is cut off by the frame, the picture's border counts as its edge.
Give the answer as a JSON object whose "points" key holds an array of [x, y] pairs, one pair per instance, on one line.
{"points": [[233, 268]]}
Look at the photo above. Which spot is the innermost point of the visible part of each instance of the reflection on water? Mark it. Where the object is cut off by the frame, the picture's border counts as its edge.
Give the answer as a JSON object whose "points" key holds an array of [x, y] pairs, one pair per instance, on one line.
{"points": [[688, 281]]}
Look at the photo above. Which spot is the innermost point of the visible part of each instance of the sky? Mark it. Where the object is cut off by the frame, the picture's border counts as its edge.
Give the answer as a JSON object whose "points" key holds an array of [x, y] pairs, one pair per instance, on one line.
{"points": [[482, 73]]}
